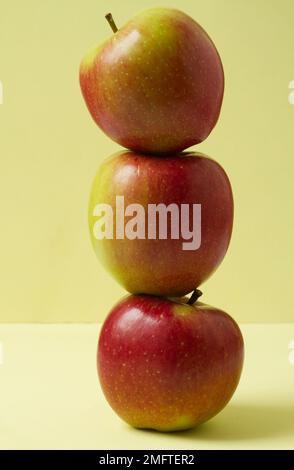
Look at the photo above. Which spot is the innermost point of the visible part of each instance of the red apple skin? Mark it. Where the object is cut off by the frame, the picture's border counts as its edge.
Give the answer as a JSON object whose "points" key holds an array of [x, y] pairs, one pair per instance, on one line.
{"points": [[166, 365], [161, 266], [156, 86]]}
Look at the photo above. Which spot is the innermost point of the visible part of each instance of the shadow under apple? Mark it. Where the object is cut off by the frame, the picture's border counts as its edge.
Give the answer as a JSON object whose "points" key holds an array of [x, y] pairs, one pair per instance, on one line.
{"points": [[243, 421]]}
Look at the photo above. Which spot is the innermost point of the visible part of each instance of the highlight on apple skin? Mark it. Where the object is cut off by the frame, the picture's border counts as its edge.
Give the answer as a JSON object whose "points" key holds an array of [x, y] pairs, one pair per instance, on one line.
{"points": [[167, 365], [156, 85], [161, 266]]}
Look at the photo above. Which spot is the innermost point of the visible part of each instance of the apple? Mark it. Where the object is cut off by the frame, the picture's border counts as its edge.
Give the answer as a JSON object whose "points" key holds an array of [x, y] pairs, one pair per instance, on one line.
{"points": [[144, 260], [156, 86], [168, 365]]}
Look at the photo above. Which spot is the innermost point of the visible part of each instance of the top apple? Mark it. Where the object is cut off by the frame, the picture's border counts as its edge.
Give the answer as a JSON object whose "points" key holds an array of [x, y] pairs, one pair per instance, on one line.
{"points": [[156, 86]]}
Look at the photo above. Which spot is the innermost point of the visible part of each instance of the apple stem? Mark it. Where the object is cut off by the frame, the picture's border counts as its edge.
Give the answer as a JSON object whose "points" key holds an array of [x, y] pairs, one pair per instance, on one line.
{"points": [[111, 22], [194, 297]]}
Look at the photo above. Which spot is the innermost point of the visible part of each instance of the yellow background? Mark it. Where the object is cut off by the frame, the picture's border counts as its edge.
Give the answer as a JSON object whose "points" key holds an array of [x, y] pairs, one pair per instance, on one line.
{"points": [[52, 399], [50, 150]]}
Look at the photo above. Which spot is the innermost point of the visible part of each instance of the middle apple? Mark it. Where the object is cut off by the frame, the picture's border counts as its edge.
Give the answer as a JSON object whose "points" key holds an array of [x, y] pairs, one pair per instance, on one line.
{"points": [[160, 226]]}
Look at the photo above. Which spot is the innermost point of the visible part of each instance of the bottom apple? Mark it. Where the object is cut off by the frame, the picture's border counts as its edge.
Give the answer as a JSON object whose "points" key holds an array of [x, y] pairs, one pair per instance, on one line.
{"points": [[168, 365]]}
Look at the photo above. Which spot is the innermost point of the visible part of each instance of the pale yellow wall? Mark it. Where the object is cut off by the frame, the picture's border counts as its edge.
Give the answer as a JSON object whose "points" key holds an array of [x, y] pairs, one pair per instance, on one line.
{"points": [[50, 149]]}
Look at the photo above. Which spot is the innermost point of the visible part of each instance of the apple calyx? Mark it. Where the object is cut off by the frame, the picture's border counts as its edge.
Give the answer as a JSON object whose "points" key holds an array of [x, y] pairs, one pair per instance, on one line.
{"points": [[111, 22], [194, 296]]}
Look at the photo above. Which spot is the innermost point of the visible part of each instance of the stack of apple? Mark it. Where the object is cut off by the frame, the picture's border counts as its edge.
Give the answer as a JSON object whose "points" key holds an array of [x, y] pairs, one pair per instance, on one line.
{"points": [[165, 361]]}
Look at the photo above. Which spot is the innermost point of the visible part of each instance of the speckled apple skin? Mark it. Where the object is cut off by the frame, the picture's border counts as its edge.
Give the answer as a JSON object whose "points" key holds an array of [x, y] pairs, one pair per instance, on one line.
{"points": [[157, 84], [166, 365], [161, 266]]}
